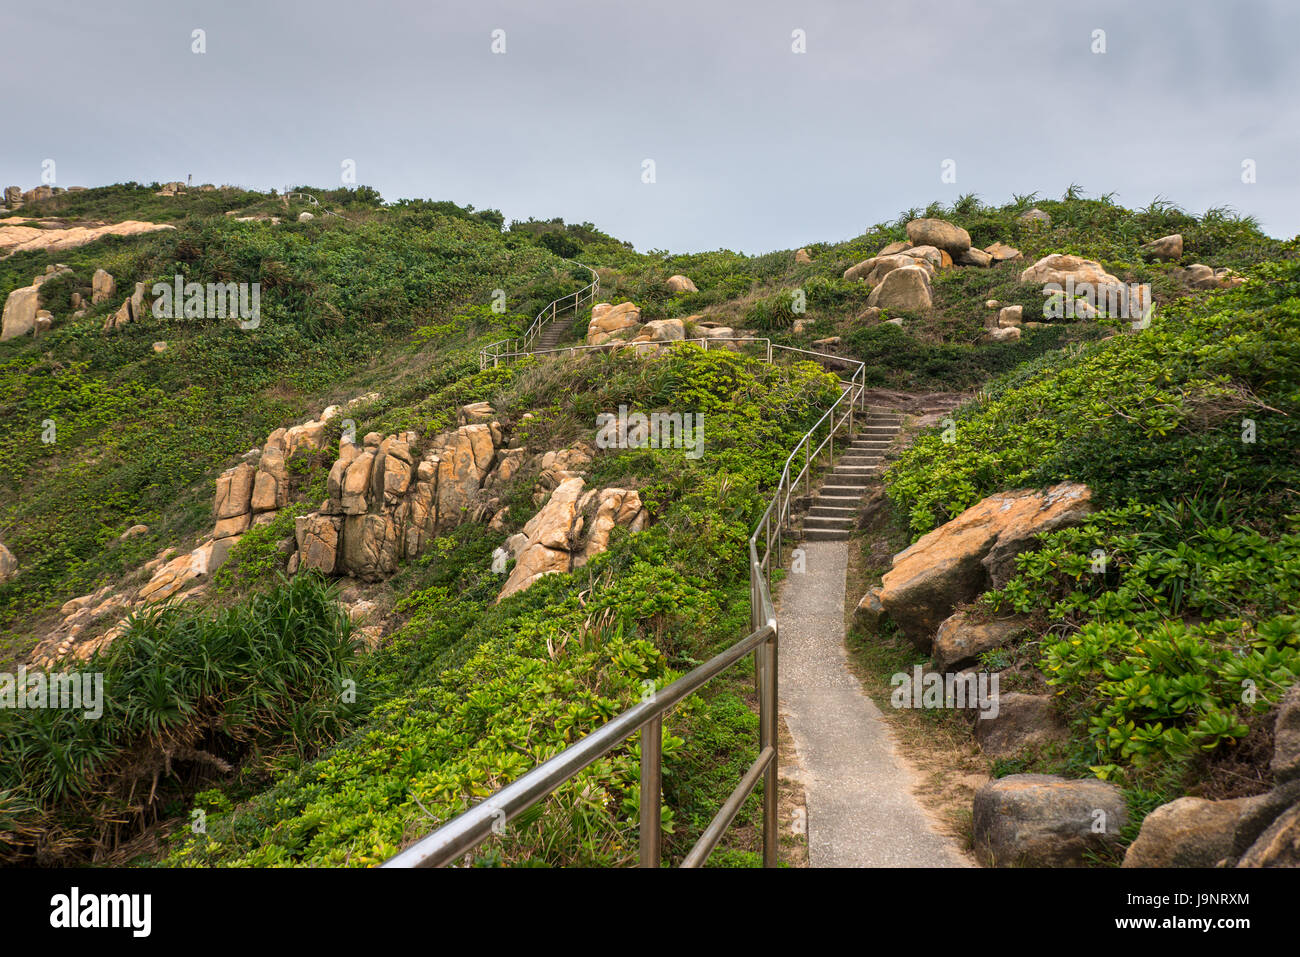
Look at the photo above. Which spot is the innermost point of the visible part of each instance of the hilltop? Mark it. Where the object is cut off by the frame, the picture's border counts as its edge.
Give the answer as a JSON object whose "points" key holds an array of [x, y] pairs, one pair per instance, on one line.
{"points": [[346, 579]]}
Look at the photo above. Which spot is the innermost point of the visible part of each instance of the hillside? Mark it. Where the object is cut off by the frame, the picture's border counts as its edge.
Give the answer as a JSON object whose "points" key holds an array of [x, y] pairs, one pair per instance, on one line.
{"points": [[420, 577]]}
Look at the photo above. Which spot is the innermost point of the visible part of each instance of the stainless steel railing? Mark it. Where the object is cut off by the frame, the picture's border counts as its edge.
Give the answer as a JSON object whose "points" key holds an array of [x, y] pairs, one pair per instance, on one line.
{"points": [[466, 831], [494, 352]]}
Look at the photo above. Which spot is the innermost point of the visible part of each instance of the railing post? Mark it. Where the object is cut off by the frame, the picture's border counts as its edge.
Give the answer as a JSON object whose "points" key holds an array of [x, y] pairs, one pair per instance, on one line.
{"points": [[807, 468], [651, 791], [767, 738]]}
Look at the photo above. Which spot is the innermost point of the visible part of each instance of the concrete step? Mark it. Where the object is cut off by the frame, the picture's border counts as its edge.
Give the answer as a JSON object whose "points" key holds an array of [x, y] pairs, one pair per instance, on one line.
{"points": [[821, 510], [839, 490], [825, 534], [814, 521]]}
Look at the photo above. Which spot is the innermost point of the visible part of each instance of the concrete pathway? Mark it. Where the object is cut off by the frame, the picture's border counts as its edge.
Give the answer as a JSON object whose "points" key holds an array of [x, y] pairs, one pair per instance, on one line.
{"points": [[861, 811]]}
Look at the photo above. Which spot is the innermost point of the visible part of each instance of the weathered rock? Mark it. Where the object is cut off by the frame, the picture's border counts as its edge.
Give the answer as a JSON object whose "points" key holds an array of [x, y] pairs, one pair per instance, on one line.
{"points": [[133, 531], [475, 412], [906, 289], [976, 550], [869, 610], [8, 564], [1279, 845], [1039, 820], [961, 639], [1009, 316], [1034, 216], [937, 232], [973, 257], [680, 284], [1023, 722], [464, 458], [1188, 832], [801, 256], [895, 248], [935, 257], [1000, 252], [1057, 268], [23, 238], [608, 320], [664, 330], [550, 536], [1166, 247], [874, 270], [1286, 737], [13, 196], [234, 491], [103, 286], [20, 310], [618, 508]]}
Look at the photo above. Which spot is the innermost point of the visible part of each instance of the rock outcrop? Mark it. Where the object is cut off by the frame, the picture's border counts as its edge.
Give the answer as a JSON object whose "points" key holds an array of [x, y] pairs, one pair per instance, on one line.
{"points": [[22, 311], [8, 564], [906, 289], [951, 238], [132, 310], [679, 283], [1165, 248], [961, 639], [552, 541], [1058, 268], [974, 552], [55, 235], [102, 286]]}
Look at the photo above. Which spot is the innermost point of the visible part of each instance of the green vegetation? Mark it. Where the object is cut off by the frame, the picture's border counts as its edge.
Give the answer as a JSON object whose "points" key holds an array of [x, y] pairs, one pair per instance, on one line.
{"points": [[241, 702], [183, 690], [1176, 602]]}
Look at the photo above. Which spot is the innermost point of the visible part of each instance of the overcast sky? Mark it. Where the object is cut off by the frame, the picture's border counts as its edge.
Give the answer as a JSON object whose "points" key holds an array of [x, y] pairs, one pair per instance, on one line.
{"points": [[755, 147]]}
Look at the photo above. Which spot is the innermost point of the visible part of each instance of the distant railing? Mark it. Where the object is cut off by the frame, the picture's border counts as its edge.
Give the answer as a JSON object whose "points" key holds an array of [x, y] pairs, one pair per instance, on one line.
{"points": [[494, 352], [466, 831]]}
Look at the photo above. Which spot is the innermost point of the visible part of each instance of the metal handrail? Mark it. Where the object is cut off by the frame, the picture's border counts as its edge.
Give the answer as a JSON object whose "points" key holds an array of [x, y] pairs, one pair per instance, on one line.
{"points": [[494, 352], [466, 831]]}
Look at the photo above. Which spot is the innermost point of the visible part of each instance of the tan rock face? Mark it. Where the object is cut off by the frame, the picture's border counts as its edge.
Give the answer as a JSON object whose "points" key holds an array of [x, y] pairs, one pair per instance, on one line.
{"points": [[102, 286], [801, 256], [974, 257], [607, 320], [1188, 832], [20, 239], [8, 564], [970, 554], [551, 541], [961, 639], [234, 491], [20, 310], [664, 330], [1058, 268], [896, 247], [680, 284], [1039, 820], [1166, 247], [1000, 252], [905, 290], [937, 232], [464, 459]]}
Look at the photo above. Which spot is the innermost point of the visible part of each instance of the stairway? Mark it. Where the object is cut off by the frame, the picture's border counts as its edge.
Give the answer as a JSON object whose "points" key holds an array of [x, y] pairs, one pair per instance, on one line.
{"points": [[554, 333], [835, 506]]}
